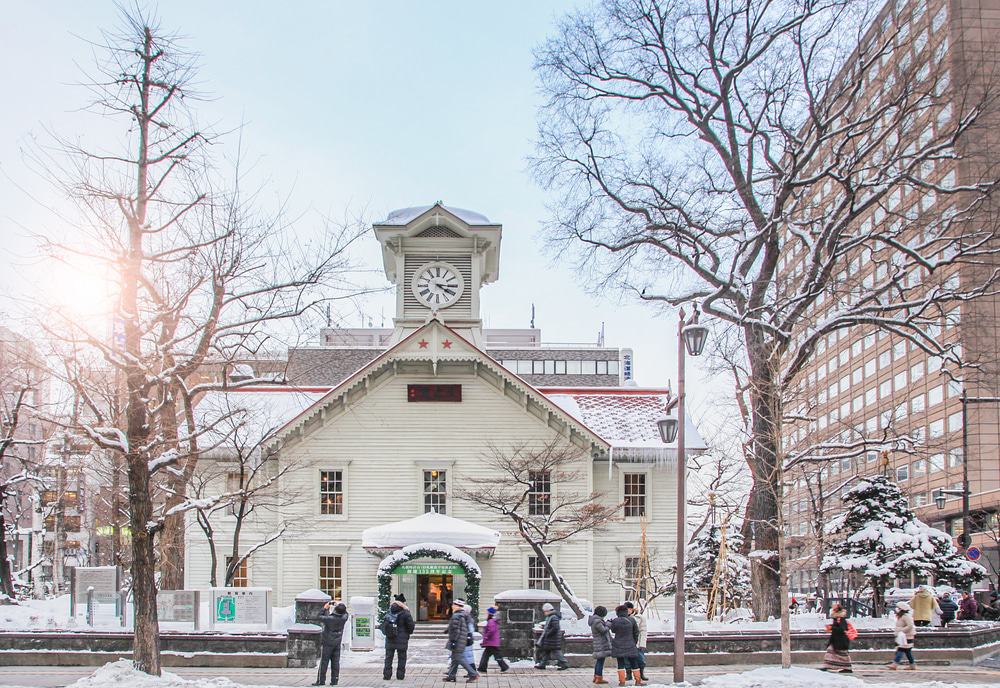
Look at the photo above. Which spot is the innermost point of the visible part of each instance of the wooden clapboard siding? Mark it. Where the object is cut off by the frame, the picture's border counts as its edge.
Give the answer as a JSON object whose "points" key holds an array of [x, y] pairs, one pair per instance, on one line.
{"points": [[383, 443]]}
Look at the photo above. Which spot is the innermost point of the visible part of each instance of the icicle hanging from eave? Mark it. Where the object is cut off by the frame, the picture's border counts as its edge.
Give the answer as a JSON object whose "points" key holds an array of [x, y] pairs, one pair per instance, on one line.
{"points": [[656, 455]]}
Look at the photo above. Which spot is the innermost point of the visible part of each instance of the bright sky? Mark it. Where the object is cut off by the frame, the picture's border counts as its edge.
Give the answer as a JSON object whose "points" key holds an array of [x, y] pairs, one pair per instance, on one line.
{"points": [[371, 106]]}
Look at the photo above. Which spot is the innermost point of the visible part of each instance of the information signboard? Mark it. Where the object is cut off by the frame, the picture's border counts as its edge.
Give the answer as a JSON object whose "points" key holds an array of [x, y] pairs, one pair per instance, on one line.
{"points": [[105, 580], [250, 606], [177, 605], [362, 623]]}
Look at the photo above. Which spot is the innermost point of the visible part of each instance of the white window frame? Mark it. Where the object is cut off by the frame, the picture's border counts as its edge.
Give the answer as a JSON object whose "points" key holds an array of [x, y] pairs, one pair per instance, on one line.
{"points": [[630, 469], [345, 487]]}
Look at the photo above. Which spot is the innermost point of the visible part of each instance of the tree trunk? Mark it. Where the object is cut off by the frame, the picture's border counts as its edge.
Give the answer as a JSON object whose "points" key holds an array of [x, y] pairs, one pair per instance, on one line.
{"points": [[6, 571], [762, 506], [558, 581]]}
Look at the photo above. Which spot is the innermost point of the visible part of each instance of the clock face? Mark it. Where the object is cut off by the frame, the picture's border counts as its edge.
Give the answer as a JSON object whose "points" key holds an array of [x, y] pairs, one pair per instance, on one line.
{"points": [[437, 285]]}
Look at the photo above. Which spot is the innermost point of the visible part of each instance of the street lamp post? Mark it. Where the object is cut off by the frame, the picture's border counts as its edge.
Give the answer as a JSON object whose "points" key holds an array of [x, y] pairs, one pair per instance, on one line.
{"points": [[965, 539], [691, 338]]}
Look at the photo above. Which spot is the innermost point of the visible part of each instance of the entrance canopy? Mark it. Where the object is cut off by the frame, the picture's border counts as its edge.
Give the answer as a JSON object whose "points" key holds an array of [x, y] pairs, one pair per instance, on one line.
{"points": [[430, 527]]}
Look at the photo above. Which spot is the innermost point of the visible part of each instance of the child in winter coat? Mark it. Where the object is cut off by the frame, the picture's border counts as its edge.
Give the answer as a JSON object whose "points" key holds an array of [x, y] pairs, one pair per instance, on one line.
{"points": [[491, 642], [601, 633], [905, 632]]}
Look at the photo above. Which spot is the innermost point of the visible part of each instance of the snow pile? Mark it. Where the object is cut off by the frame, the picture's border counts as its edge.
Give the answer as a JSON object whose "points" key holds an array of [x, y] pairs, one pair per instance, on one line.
{"points": [[403, 555], [775, 677], [121, 674], [430, 527]]}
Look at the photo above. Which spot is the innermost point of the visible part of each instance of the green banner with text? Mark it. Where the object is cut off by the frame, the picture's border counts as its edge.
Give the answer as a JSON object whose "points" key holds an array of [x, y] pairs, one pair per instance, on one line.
{"points": [[431, 569]]}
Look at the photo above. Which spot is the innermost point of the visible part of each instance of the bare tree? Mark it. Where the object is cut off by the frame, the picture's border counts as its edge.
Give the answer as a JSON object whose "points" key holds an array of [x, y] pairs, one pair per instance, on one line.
{"points": [[200, 275], [533, 486], [238, 483], [646, 582], [20, 451], [769, 160]]}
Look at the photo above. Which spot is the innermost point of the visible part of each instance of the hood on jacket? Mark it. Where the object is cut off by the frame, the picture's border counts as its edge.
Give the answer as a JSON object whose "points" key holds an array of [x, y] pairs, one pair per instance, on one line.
{"points": [[395, 608]]}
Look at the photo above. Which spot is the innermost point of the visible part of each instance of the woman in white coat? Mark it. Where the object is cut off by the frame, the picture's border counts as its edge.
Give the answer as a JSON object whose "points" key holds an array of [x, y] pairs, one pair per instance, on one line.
{"points": [[906, 630]]}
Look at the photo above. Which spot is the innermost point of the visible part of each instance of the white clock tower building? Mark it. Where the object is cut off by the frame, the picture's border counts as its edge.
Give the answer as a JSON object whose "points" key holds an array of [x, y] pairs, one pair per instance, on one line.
{"points": [[439, 258]]}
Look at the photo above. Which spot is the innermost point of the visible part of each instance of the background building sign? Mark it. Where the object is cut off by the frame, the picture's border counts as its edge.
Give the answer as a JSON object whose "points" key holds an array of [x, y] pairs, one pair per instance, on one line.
{"points": [[626, 365], [241, 606]]}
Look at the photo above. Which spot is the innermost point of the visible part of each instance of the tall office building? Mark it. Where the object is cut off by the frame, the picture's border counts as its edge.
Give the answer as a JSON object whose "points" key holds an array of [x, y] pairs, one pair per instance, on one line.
{"points": [[873, 385]]}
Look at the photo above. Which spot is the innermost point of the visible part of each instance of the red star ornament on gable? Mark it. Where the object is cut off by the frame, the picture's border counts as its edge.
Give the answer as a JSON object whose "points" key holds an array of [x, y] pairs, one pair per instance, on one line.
{"points": [[422, 343], [446, 343]]}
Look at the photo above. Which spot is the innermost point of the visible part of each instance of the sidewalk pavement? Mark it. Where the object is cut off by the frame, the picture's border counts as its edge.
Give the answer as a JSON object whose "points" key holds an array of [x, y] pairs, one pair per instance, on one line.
{"points": [[430, 677]]}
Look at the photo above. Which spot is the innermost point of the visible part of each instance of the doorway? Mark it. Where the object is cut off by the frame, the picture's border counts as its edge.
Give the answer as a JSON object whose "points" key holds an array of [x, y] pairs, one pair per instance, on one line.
{"points": [[434, 595]]}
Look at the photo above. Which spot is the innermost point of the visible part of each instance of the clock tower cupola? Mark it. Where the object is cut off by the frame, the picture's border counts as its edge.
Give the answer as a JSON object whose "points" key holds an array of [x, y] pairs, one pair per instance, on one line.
{"points": [[439, 257]]}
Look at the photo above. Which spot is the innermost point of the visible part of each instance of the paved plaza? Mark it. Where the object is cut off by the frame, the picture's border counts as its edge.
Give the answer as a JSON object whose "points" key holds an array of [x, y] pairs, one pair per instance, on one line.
{"points": [[428, 677]]}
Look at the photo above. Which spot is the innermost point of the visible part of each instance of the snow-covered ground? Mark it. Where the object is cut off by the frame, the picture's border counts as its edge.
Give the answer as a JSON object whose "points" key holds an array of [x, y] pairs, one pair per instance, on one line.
{"points": [[122, 675]]}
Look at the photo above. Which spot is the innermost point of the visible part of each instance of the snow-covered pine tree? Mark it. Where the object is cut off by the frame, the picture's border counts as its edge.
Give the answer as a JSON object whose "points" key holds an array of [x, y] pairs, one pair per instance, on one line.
{"points": [[879, 538], [703, 556]]}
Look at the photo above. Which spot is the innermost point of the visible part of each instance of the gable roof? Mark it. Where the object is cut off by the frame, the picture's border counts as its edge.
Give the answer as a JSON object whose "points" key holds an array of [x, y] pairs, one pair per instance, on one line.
{"points": [[434, 342], [626, 417], [404, 216]]}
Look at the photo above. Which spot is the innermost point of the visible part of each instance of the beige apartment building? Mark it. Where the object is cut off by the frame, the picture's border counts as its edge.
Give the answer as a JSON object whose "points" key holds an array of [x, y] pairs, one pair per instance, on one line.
{"points": [[899, 409]]}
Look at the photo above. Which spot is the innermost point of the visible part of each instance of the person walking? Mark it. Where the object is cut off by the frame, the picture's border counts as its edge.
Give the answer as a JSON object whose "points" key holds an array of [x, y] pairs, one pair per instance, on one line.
{"points": [[397, 627], [491, 643], [459, 638], [906, 630], [838, 657], [601, 633], [640, 621], [924, 606], [550, 642], [333, 623], [624, 646], [948, 610], [470, 655], [968, 608]]}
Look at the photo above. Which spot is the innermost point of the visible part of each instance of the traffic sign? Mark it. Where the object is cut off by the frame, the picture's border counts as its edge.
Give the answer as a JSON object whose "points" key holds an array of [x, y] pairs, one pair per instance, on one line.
{"points": [[973, 553]]}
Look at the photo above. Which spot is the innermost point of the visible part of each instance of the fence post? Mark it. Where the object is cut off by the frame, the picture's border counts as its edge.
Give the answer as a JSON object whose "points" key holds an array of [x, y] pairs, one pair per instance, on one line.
{"points": [[90, 606], [197, 610]]}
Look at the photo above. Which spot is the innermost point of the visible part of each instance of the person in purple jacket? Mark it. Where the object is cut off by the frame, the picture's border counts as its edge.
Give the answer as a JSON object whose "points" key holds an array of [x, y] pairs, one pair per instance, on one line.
{"points": [[491, 642]]}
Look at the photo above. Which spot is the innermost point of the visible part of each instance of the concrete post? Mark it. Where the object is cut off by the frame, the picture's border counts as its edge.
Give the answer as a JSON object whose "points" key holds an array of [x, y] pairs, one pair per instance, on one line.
{"points": [[518, 611]]}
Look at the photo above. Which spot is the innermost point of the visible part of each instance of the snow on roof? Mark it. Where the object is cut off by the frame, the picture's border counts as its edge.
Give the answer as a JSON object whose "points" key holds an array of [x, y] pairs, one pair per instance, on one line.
{"points": [[430, 527], [404, 216], [624, 416], [243, 417]]}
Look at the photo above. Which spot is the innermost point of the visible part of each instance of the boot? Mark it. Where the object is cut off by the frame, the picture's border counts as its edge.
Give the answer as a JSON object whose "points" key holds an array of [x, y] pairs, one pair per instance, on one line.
{"points": [[642, 674], [637, 677], [911, 667], [599, 680], [622, 677], [504, 666], [892, 665]]}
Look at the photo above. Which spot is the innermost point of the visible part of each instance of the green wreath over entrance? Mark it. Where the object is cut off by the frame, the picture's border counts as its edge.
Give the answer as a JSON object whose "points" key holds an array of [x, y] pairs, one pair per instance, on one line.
{"points": [[428, 550]]}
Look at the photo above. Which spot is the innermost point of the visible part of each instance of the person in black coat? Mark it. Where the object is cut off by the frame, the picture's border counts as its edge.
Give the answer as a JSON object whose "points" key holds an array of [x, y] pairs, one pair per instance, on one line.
{"points": [[624, 646], [550, 642], [948, 609], [333, 623], [397, 626]]}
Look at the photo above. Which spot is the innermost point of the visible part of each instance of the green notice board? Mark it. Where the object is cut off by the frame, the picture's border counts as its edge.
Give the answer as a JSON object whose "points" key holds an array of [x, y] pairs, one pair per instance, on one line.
{"points": [[433, 569]]}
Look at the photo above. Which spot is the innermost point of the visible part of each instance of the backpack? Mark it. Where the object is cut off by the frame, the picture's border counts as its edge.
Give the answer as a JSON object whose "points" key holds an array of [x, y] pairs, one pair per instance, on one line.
{"points": [[391, 625]]}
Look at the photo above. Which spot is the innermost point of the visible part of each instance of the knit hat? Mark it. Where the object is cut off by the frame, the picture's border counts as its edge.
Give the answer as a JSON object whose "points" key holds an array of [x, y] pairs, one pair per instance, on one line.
{"points": [[400, 598], [547, 607], [458, 603], [491, 610], [904, 607]]}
